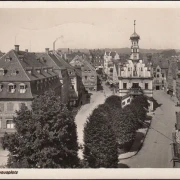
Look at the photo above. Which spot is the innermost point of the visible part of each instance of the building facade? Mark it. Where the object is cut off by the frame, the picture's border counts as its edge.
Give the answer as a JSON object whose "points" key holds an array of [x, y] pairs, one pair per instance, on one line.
{"points": [[89, 74], [22, 77], [135, 77]]}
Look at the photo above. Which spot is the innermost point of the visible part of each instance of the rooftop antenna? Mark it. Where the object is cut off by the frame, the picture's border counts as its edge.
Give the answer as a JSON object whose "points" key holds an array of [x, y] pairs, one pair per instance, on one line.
{"points": [[134, 26]]}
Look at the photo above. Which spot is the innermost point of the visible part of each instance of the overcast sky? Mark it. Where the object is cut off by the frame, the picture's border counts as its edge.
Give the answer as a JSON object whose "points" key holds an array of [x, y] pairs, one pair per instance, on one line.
{"points": [[88, 28]]}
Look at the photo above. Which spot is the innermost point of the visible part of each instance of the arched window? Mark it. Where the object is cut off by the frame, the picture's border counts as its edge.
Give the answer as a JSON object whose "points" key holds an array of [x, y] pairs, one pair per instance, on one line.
{"points": [[11, 88], [22, 88]]}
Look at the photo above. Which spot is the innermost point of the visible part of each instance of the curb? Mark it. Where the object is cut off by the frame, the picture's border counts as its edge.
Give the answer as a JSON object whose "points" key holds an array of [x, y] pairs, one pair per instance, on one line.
{"points": [[139, 147]]}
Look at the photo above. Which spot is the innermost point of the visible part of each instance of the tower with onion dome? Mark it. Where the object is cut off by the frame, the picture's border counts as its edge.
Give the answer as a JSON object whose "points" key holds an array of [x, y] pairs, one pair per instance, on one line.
{"points": [[135, 47], [135, 77]]}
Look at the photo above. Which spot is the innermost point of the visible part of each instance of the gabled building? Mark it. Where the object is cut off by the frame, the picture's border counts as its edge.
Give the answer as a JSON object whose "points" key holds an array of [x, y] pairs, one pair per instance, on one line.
{"points": [[89, 75], [135, 77], [22, 77], [51, 60], [160, 71], [97, 58]]}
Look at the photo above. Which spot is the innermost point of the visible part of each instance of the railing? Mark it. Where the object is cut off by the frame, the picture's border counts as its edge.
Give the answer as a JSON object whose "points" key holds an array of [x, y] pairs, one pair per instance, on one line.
{"points": [[135, 91]]}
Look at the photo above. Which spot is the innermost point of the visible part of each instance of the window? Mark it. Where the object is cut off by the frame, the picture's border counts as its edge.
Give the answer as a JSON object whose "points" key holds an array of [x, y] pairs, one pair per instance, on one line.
{"points": [[157, 75], [14, 72], [92, 77], [123, 103], [162, 74], [10, 107], [1, 72], [29, 71], [11, 88], [141, 69], [158, 70], [38, 71], [45, 70], [128, 100], [124, 85], [146, 85], [1, 107], [9, 124], [8, 59], [89, 71], [22, 88], [1, 87], [128, 69]]}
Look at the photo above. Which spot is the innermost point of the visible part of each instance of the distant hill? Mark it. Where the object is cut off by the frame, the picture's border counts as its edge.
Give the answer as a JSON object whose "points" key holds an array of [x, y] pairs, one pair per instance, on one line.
{"points": [[125, 50]]}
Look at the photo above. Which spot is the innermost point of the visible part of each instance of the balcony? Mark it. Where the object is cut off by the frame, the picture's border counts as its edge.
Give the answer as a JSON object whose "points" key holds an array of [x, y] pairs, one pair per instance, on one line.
{"points": [[135, 91]]}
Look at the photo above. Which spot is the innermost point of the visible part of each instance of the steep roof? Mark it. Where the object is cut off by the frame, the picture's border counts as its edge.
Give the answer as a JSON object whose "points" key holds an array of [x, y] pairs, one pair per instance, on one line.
{"points": [[13, 69]]}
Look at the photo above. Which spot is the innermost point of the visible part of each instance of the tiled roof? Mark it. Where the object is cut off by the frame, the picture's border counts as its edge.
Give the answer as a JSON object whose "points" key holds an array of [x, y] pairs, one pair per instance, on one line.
{"points": [[51, 61], [16, 95], [12, 66], [23, 67]]}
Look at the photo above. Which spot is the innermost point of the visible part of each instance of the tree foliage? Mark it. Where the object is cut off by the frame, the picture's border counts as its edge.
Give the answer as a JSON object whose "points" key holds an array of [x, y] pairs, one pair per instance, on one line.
{"points": [[45, 137], [114, 102], [100, 146]]}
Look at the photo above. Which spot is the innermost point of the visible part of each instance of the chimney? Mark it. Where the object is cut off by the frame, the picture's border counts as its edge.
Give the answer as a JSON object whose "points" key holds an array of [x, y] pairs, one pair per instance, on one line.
{"points": [[47, 50], [26, 50], [16, 48]]}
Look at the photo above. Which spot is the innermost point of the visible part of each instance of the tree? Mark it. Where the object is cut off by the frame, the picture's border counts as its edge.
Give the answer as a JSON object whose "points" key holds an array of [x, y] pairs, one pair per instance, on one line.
{"points": [[100, 146], [139, 106], [46, 135], [124, 125], [114, 102]]}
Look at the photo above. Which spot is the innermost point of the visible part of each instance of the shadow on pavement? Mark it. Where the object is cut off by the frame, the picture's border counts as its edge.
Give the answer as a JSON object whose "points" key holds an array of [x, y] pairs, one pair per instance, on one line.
{"points": [[138, 142], [121, 165]]}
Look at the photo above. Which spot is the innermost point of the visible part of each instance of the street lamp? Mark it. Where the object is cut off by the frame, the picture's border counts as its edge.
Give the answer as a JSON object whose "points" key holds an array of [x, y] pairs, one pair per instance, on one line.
{"points": [[55, 42]]}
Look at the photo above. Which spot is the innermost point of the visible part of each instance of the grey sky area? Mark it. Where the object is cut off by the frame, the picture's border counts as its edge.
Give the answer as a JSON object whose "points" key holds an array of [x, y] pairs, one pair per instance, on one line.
{"points": [[36, 29]]}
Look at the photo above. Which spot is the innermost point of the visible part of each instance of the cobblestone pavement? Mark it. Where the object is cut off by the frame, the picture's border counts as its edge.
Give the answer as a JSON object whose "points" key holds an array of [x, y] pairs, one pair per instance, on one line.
{"points": [[156, 151]]}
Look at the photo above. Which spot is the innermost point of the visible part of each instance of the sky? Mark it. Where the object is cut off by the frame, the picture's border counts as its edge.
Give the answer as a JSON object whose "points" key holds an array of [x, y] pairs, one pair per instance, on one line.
{"points": [[37, 29]]}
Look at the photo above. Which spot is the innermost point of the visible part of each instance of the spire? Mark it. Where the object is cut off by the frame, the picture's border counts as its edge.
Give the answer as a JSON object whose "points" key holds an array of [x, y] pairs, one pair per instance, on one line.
{"points": [[134, 26]]}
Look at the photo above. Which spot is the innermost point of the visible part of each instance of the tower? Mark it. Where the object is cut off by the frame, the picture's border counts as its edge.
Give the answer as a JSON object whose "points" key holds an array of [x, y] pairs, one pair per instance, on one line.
{"points": [[135, 47]]}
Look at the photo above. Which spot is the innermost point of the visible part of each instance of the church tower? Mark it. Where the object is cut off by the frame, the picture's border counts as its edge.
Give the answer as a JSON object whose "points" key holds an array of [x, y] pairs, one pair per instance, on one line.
{"points": [[135, 47]]}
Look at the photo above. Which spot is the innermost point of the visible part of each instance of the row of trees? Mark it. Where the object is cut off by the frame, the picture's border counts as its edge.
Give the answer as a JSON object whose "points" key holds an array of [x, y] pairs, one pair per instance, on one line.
{"points": [[46, 134], [110, 128]]}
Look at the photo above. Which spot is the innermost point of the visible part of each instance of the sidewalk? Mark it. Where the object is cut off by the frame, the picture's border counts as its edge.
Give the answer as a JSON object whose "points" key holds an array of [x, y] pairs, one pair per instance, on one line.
{"points": [[138, 142]]}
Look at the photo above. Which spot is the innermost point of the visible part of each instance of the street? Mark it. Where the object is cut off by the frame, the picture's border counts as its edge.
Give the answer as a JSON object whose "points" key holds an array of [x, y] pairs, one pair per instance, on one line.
{"points": [[156, 151], [96, 99]]}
